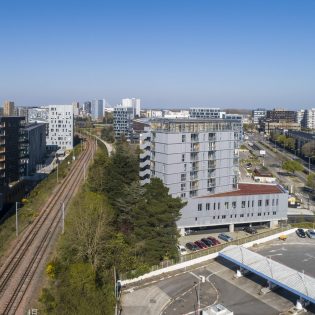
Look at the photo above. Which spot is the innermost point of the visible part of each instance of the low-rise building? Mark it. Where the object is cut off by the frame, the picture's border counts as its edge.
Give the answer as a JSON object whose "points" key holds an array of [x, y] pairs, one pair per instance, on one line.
{"points": [[263, 176], [206, 113]]}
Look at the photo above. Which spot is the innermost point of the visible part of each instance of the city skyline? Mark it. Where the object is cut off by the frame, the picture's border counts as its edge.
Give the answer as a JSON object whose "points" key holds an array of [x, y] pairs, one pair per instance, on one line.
{"points": [[218, 54]]}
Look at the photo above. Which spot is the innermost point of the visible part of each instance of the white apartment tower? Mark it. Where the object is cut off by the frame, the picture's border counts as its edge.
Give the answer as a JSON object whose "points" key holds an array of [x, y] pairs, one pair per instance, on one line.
{"points": [[308, 120], [60, 133], [198, 161]]}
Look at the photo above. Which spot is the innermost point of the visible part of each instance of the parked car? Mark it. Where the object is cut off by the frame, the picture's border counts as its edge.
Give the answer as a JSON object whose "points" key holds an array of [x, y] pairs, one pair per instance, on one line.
{"points": [[300, 233], [214, 240], [250, 230], [207, 242], [310, 233], [191, 246], [181, 249], [225, 237], [201, 245]]}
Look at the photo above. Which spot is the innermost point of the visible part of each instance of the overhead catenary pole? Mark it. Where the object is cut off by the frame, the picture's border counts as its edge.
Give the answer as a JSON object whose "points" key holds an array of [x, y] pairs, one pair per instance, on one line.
{"points": [[63, 217], [84, 172], [16, 219]]}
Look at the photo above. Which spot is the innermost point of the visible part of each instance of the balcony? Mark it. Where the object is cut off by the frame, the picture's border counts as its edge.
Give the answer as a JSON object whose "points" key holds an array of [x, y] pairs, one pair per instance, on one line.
{"points": [[2, 159], [194, 156], [195, 147]]}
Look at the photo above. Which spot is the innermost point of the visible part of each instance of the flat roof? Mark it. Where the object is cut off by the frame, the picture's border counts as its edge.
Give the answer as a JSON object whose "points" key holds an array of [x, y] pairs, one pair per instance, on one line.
{"points": [[279, 274], [250, 189]]}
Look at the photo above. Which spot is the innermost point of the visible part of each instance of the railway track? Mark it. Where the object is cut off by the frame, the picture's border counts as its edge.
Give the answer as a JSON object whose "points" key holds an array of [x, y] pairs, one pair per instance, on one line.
{"points": [[18, 270]]}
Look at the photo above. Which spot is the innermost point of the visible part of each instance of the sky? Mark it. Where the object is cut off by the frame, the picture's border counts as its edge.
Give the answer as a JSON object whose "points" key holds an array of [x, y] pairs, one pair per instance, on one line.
{"points": [[224, 53]]}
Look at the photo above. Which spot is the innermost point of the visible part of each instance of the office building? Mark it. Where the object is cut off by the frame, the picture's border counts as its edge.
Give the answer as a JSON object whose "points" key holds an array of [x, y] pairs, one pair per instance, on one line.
{"points": [[206, 113], [97, 109], [281, 115], [60, 129], [258, 114], [87, 107], [134, 103], [35, 135], [198, 161], [123, 117], [8, 108]]}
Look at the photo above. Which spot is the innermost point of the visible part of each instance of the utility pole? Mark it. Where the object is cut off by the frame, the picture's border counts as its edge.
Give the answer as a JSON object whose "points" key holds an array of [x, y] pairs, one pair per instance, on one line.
{"points": [[16, 219], [63, 217], [57, 172], [84, 174]]}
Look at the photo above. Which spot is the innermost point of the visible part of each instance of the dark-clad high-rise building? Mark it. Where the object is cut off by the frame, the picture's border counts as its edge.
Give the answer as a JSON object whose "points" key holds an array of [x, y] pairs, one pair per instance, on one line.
{"points": [[13, 149]]}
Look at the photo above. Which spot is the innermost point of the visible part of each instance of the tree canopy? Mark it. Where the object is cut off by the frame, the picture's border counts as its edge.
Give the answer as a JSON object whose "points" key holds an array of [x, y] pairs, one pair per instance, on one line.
{"points": [[292, 166]]}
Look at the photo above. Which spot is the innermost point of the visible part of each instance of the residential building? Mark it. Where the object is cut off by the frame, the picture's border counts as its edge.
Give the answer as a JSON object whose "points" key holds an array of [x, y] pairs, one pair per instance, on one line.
{"points": [[60, 134], [123, 117], [258, 114], [8, 108], [38, 114], [206, 113], [299, 116], [13, 149], [134, 103], [173, 114], [198, 161], [97, 109], [76, 109], [308, 121], [35, 135], [152, 113]]}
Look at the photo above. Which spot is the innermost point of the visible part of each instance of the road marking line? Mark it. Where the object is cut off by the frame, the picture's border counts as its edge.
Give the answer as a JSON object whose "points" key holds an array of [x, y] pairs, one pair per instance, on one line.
{"points": [[194, 275]]}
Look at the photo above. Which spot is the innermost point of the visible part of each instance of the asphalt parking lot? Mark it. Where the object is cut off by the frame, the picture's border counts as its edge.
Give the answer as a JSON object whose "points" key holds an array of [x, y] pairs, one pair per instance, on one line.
{"points": [[179, 294]]}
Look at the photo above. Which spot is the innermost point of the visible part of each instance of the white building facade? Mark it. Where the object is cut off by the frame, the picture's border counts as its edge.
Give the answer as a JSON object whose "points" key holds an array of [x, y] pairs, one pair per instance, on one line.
{"points": [[308, 120], [198, 160], [206, 113], [258, 114], [135, 103], [60, 130]]}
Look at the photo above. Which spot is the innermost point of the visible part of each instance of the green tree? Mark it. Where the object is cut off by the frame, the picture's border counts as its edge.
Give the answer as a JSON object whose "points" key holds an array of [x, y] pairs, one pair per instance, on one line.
{"points": [[155, 223], [308, 149], [311, 181], [108, 134], [292, 166], [290, 143]]}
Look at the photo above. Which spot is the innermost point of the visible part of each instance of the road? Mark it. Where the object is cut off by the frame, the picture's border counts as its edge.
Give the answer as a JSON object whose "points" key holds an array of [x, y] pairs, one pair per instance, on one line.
{"points": [[273, 160], [21, 271]]}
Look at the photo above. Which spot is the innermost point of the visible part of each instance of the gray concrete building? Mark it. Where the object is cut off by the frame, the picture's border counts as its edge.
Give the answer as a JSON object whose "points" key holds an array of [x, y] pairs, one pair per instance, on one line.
{"points": [[36, 138], [206, 113], [198, 160]]}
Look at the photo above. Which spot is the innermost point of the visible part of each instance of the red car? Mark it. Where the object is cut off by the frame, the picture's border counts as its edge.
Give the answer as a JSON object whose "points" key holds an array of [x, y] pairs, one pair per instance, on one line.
{"points": [[201, 245], [214, 240]]}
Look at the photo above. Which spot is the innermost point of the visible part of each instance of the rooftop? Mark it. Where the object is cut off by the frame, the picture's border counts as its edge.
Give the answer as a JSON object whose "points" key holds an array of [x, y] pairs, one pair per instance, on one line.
{"points": [[250, 189]]}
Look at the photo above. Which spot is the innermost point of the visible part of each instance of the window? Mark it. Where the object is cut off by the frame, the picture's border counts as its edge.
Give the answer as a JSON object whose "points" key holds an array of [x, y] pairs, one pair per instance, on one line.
{"points": [[268, 213], [234, 204], [224, 216], [253, 203], [247, 214], [207, 206], [213, 217], [182, 187], [183, 195], [242, 215], [195, 218], [273, 202], [248, 204], [183, 138], [259, 214], [243, 204], [218, 205], [259, 203], [267, 202], [226, 205], [231, 216], [277, 202], [214, 204], [183, 157], [199, 206], [252, 214], [274, 212], [183, 177]]}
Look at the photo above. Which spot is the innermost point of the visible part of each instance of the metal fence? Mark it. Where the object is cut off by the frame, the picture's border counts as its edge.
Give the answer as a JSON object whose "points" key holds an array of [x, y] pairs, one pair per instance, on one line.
{"points": [[211, 250]]}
